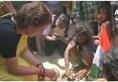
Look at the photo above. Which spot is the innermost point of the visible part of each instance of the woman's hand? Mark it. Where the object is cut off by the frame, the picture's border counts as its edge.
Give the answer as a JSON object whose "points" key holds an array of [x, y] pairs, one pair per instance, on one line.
{"points": [[52, 74], [41, 77], [49, 74], [40, 65]]}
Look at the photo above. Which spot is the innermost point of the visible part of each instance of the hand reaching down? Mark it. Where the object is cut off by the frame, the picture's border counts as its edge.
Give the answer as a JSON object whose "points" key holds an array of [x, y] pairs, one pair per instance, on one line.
{"points": [[81, 73]]}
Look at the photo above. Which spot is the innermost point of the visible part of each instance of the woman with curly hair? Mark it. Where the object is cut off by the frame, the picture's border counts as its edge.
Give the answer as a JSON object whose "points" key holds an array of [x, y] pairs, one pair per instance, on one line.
{"points": [[16, 60]]}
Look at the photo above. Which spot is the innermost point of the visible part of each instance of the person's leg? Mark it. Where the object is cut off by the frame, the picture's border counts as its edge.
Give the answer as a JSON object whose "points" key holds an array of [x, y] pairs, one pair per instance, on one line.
{"points": [[49, 47], [40, 44], [61, 46]]}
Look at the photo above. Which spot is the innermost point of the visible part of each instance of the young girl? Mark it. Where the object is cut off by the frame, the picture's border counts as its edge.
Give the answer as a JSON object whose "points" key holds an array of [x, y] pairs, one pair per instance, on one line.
{"points": [[103, 17], [104, 41], [109, 58], [80, 50]]}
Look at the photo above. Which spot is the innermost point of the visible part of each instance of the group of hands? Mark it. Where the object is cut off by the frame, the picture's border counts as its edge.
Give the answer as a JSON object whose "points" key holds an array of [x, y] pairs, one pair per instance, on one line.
{"points": [[53, 74], [48, 74], [77, 76]]}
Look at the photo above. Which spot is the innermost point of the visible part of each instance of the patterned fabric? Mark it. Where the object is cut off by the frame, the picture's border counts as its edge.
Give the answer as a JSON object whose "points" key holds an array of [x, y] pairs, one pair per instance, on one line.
{"points": [[78, 53], [56, 7], [86, 9], [4, 9]]}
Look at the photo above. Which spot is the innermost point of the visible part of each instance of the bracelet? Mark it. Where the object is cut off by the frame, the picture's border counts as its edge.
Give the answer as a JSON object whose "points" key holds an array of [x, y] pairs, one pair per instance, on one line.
{"points": [[43, 71], [41, 68]]}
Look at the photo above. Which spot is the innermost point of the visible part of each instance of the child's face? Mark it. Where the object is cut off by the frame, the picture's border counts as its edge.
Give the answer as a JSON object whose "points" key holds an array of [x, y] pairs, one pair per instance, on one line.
{"points": [[81, 38], [101, 16]]}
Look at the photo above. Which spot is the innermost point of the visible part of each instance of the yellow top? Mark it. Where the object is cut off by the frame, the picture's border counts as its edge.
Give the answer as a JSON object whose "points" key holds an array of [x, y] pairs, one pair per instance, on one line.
{"points": [[3, 72]]}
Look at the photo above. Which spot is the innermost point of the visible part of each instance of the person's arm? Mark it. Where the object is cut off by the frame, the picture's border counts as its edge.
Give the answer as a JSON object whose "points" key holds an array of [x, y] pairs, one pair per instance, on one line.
{"points": [[87, 60], [10, 6], [66, 57], [29, 57], [96, 39], [15, 69], [46, 34], [20, 70], [51, 38], [68, 6]]}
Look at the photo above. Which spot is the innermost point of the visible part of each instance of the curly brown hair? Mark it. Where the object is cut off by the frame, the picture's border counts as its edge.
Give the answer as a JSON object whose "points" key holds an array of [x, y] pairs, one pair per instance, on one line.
{"points": [[35, 14], [84, 28]]}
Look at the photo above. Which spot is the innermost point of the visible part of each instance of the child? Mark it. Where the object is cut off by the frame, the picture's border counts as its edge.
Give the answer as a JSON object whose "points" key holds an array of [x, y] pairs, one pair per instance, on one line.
{"points": [[109, 59], [55, 39], [80, 50], [103, 17], [103, 41]]}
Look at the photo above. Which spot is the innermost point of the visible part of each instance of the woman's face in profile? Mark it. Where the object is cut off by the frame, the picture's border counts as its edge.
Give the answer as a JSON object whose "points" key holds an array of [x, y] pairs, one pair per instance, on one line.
{"points": [[34, 30]]}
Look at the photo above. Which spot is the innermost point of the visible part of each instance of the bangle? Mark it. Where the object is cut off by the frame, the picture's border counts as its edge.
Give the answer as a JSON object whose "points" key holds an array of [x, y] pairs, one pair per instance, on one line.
{"points": [[43, 71], [41, 68]]}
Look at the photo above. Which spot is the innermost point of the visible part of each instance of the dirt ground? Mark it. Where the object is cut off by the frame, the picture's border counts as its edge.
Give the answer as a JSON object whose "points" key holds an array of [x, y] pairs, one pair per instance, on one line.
{"points": [[53, 61], [56, 61]]}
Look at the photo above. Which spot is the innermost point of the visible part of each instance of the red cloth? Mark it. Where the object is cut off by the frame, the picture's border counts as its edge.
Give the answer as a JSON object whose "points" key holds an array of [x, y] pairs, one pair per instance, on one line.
{"points": [[104, 38]]}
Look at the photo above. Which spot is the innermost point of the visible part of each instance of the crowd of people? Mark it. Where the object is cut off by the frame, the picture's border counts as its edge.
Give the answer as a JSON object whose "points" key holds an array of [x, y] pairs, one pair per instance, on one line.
{"points": [[93, 55]]}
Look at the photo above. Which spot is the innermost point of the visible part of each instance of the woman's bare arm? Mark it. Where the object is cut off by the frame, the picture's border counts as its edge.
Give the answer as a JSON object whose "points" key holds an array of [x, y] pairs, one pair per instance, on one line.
{"points": [[15, 69], [29, 57]]}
